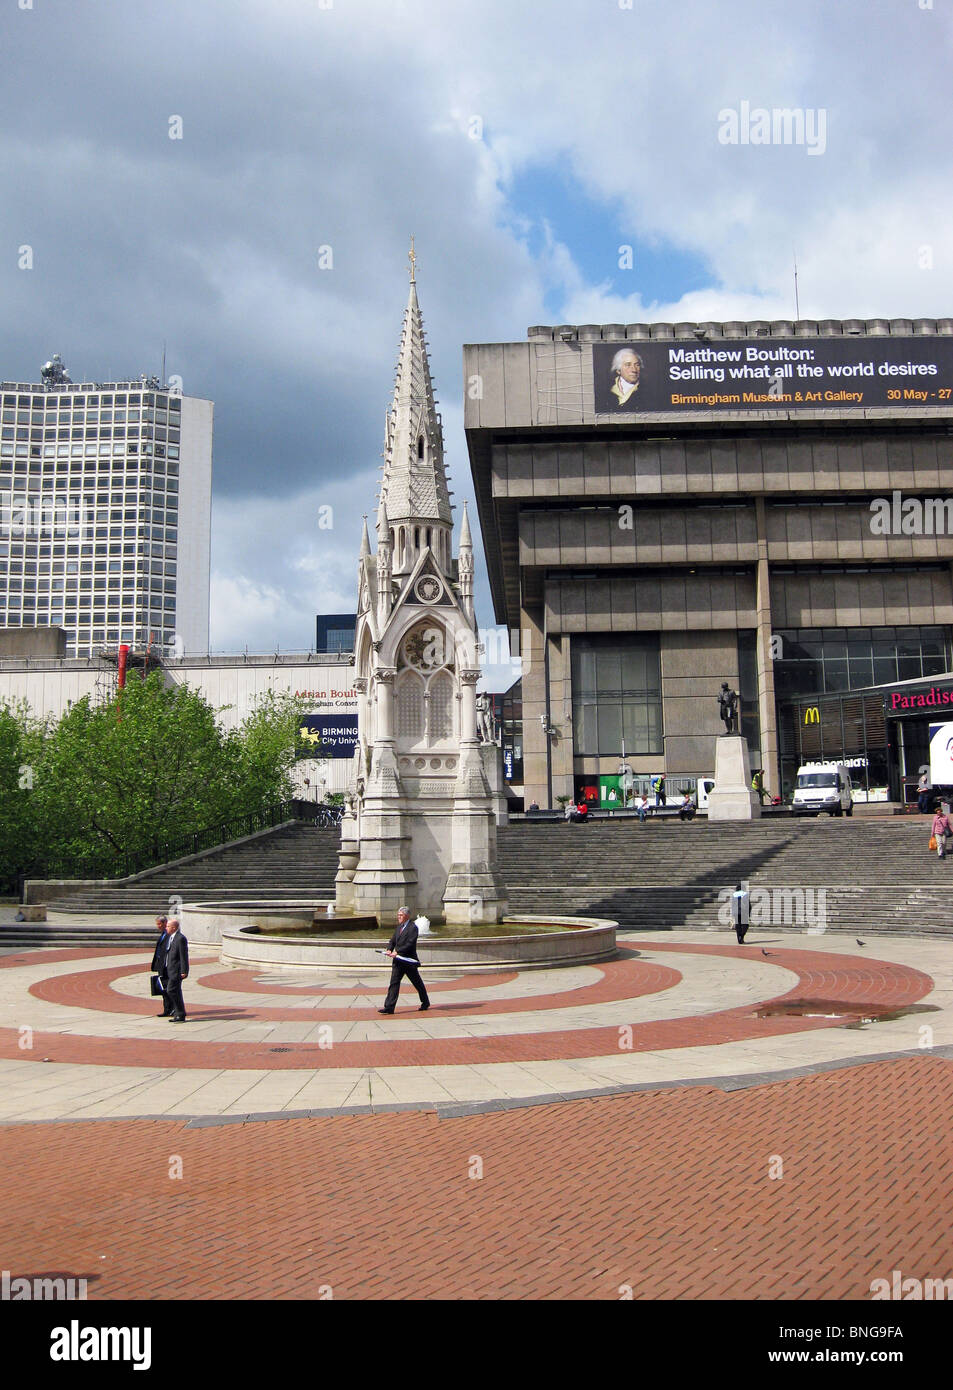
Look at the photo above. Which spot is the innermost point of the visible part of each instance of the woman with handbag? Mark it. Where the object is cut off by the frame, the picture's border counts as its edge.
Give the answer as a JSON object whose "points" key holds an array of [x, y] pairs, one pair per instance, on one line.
{"points": [[941, 832]]}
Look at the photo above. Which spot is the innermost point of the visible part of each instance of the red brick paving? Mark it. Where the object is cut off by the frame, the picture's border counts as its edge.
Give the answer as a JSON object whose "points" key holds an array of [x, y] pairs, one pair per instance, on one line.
{"points": [[847, 979], [93, 989], [667, 1192]]}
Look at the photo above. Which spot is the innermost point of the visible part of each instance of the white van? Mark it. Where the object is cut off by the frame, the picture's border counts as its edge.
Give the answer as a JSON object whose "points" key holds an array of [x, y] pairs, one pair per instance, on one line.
{"points": [[703, 787], [823, 787]]}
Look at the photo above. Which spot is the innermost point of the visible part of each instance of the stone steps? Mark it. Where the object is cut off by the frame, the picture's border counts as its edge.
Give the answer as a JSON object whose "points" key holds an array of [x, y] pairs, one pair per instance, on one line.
{"points": [[24, 936], [878, 875], [294, 861]]}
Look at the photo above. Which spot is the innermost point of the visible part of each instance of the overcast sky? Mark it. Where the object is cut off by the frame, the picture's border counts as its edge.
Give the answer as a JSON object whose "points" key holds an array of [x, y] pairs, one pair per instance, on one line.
{"points": [[522, 143]]}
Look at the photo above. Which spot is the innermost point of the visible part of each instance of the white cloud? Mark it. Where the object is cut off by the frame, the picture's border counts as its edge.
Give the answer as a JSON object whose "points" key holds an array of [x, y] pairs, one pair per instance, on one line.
{"points": [[351, 127]]}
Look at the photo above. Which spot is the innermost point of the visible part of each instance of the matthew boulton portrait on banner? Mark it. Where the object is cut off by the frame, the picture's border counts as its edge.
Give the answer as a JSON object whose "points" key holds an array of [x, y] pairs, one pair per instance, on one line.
{"points": [[625, 374]]}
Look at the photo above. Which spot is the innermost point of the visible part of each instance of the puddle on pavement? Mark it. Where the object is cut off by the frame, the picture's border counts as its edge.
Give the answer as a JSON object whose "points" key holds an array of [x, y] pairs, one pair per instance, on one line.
{"points": [[839, 1011]]}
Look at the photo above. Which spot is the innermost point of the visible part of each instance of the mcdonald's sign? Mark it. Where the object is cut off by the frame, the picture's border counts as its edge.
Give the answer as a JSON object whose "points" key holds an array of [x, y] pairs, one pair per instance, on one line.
{"points": [[812, 715]]}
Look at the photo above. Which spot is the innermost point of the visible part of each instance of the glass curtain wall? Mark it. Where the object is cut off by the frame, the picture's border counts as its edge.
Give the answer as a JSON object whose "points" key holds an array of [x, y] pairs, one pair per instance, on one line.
{"points": [[616, 694]]}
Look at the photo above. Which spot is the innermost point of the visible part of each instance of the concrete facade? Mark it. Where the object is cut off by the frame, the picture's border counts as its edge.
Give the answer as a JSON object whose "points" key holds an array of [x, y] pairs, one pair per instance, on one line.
{"points": [[711, 529]]}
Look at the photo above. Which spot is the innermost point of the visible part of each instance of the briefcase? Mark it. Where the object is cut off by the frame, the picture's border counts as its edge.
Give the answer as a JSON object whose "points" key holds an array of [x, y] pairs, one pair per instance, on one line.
{"points": [[155, 986]]}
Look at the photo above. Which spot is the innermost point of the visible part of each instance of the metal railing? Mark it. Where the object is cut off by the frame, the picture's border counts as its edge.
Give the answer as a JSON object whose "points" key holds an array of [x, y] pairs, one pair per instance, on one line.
{"points": [[115, 866]]}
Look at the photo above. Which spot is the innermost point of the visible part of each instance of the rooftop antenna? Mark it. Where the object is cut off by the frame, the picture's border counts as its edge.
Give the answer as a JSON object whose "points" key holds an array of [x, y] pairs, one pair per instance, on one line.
{"points": [[797, 306], [163, 361]]}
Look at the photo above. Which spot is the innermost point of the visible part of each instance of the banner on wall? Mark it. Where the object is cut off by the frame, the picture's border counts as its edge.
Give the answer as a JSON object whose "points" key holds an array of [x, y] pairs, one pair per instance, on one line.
{"points": [[941, 755], [682, 374], [330, 736]]}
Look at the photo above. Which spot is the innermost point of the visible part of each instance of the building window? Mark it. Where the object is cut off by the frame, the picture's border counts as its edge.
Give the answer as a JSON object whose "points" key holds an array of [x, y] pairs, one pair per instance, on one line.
{"points": [[616, 695], [828, 660]]}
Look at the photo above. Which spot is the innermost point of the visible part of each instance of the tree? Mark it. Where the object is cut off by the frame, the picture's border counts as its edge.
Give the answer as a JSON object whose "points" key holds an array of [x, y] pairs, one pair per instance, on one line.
{"points": [[117, 777], [20, 743], [153, 765], [264, 749]]}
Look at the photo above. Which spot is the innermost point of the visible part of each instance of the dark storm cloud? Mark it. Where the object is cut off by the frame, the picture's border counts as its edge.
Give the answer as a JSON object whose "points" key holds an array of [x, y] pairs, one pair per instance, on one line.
{"points": [[211, 242]]}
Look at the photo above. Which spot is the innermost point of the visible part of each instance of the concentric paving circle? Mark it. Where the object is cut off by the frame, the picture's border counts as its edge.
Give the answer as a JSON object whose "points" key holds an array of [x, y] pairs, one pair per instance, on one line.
{"points": [[93, 1007]]}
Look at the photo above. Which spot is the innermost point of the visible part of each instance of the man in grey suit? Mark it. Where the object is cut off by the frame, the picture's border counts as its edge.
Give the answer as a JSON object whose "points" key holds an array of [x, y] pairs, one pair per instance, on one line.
{"points": [[404, 943], [175, 969]]}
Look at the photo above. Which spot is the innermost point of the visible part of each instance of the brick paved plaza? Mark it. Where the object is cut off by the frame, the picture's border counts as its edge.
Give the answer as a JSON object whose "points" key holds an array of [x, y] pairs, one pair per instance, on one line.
{"points": [[694, 1120]]}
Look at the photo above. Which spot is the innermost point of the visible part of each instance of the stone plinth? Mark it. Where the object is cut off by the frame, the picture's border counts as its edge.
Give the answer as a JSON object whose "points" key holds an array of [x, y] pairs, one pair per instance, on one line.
{"points": [[731, 798]]}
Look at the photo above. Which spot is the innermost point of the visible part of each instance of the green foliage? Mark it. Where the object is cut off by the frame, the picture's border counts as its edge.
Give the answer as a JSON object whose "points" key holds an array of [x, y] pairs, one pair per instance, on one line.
{"points": [[264, 747], [146, 767], [20, 744]]}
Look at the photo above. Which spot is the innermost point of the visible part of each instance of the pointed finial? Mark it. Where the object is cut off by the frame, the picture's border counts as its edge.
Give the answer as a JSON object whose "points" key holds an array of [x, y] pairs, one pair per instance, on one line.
{"points": [[383, 524], [465, 537], [365, 540], [412, 257]]}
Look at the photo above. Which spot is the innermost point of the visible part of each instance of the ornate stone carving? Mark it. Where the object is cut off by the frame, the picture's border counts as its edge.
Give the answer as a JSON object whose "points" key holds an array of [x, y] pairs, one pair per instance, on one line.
{"points": [[428, 588]]}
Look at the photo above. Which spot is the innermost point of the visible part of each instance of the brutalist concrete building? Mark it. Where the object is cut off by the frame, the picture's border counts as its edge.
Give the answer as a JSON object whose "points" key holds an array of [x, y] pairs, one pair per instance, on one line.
{"points": [[668, 506]]}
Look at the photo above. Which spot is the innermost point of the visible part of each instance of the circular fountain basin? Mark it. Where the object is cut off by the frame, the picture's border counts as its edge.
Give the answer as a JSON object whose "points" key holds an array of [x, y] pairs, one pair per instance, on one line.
{"points": [[300, 936]]}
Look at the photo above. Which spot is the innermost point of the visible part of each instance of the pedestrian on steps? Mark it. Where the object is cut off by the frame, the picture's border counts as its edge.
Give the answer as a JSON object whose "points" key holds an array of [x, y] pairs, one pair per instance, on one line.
{"points": [[941, 832]]}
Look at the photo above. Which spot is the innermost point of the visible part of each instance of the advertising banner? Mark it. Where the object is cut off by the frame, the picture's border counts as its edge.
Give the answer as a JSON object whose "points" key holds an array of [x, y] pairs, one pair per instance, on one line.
{"points": [[687, 374], [330, 736], [941, 755], [611, 793]]}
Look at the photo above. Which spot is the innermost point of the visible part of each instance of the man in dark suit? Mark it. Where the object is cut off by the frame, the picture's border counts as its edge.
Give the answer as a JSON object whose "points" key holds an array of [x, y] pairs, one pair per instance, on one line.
{"points": [[158, 961], [175, 969], [741, 911], [404, 943]]}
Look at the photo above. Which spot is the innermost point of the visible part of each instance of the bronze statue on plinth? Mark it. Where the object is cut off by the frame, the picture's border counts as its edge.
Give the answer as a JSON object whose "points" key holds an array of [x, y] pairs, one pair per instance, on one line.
{"points": [[728, 708]]}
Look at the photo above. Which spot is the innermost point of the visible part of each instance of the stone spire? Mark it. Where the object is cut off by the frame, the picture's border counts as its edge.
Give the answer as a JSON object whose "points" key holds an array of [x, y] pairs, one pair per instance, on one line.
{"points": [[426, 785], [466, 564], [414, 484]]}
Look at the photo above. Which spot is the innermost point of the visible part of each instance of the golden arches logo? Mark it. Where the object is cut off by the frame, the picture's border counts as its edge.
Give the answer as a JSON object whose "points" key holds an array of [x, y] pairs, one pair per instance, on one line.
{"points": [[812, 715]]}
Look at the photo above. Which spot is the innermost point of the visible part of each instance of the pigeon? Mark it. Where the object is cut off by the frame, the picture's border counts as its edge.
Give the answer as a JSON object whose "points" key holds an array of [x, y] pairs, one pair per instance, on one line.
{"points": [[764, 952], [859, 942]]}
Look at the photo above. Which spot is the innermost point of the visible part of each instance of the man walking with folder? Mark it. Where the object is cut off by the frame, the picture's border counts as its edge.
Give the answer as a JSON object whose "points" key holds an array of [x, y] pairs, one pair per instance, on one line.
{"points": [[402, 949]]}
